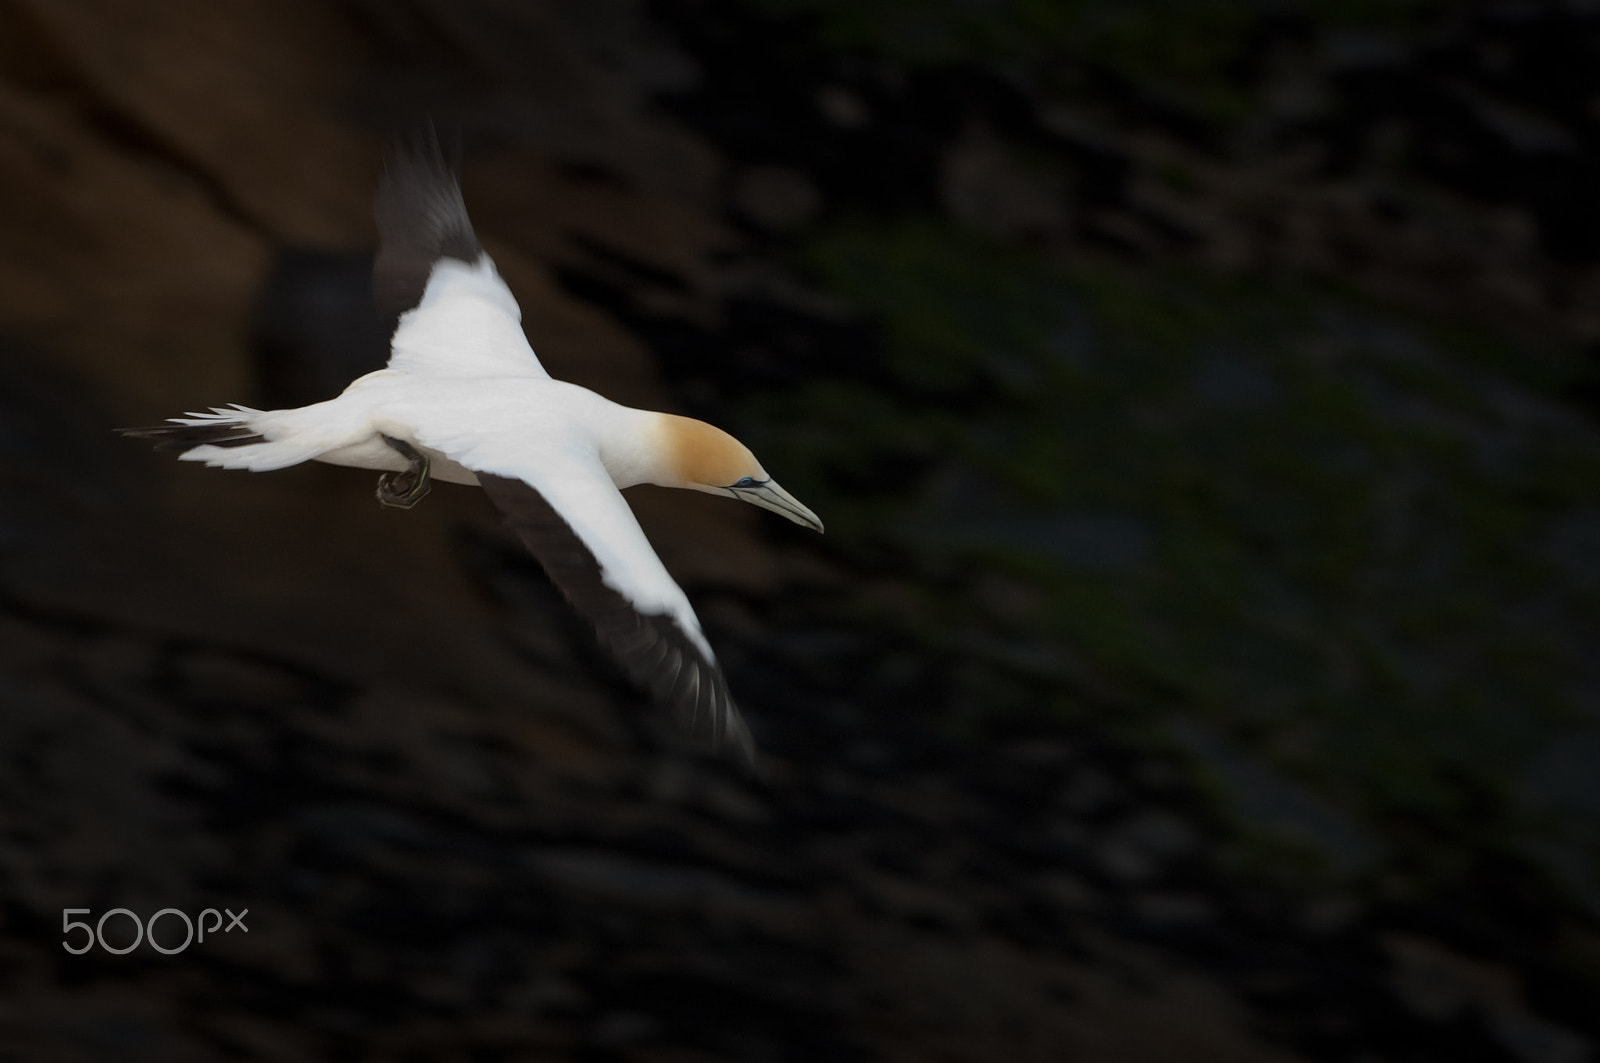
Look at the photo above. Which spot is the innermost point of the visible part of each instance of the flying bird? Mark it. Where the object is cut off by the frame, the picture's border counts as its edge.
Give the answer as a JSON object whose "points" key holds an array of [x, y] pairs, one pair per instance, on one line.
{"points": [[464, 399]]}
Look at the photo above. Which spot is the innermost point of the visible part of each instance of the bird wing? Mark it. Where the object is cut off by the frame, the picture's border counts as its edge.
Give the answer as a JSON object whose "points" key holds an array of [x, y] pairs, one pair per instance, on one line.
{"points": [[421, 218], [582, 531], [448, 310]]}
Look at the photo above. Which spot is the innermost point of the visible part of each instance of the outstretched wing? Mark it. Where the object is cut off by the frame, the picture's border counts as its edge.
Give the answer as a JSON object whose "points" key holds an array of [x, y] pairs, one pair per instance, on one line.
{"points": [[447, 308], [586, 537], [421, 219]]}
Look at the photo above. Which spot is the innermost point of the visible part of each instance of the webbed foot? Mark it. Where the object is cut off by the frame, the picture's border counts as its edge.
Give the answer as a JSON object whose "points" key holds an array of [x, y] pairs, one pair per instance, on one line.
{"points": [[404, 489]]}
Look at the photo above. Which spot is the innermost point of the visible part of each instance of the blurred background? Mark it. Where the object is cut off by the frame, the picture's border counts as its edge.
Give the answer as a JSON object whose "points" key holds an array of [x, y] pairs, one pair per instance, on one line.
{"points": [[1200, 664]]}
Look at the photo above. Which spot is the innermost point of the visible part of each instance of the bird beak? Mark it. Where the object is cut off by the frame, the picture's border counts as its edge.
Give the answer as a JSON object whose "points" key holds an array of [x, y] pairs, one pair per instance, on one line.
{"points": [[769, 495]]}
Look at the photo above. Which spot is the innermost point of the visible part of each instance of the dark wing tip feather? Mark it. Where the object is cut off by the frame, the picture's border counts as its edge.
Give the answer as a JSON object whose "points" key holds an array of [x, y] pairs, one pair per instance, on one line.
{"points": [[652, 650], [421, 218], [184, 437]]}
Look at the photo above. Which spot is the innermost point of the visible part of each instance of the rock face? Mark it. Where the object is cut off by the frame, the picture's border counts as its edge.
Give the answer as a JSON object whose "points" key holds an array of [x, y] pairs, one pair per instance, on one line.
{"points": [[456, 835]]}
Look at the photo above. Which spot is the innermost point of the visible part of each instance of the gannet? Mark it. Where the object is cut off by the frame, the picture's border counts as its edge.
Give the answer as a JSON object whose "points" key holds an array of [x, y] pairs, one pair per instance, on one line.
{"points": [[464, 399]]}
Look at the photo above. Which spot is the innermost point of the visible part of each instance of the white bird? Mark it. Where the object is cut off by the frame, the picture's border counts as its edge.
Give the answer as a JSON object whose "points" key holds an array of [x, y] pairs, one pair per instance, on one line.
{"points": [[464, 399]]}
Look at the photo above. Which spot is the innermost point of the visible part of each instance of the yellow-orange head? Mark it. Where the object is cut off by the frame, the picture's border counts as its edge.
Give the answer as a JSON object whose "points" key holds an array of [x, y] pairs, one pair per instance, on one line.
{"points": [[703, 457]]}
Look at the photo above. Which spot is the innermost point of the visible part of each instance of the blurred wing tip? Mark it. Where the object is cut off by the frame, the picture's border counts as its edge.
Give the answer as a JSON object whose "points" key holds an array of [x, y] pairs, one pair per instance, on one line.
{"points": [[656, 650]]}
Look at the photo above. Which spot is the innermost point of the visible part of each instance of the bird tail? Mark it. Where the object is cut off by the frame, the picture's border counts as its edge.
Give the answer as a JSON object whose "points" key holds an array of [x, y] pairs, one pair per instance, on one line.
{"points": [[228, 438]]}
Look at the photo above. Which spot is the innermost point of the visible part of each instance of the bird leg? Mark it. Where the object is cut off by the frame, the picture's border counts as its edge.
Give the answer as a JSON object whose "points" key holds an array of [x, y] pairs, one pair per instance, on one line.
{"points": [[403, 490]]}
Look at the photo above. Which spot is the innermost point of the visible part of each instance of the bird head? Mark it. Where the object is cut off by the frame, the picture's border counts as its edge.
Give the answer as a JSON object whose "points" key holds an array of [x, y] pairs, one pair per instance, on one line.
{"points": [[703, 457]]}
